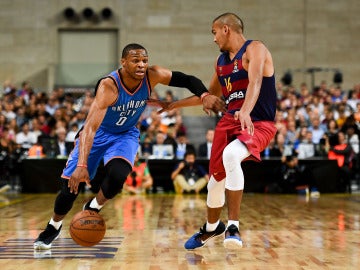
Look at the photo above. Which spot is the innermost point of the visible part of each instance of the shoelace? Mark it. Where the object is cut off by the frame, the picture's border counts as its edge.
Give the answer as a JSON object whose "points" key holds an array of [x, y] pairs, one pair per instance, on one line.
{"points": [[201, 233]]}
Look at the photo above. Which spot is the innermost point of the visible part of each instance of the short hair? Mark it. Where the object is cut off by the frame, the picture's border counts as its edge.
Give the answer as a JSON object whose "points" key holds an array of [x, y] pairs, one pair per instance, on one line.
{"points": [[24, 124], [232, 20], [132, 46], [190, 153]]}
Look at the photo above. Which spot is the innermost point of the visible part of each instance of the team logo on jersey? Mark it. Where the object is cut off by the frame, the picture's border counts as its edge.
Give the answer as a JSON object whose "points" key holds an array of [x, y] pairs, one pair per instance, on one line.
{"points": [[228, 84], [235, 69], [219, 70]]}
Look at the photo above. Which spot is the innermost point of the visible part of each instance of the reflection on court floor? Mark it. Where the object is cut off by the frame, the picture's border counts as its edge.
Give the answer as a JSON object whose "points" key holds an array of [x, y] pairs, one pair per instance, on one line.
{"points": [[20, 248]]}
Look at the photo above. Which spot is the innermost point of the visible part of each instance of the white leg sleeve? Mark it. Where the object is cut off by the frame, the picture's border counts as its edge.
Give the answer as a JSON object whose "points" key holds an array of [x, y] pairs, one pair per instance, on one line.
{"points": [[216, 193], [234, 153]]}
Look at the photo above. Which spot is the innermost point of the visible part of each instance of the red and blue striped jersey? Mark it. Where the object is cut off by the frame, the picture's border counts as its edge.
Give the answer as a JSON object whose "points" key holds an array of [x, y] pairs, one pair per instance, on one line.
{"points": [[234, 81]]}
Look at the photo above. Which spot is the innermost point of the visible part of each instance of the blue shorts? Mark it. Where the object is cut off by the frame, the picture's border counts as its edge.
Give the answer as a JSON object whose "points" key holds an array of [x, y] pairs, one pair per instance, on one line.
{"points": [[106, 146]]}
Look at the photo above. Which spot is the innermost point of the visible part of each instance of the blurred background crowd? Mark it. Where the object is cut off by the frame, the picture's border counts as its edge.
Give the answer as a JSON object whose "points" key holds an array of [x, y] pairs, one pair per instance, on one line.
{"points": [[320, 122]]}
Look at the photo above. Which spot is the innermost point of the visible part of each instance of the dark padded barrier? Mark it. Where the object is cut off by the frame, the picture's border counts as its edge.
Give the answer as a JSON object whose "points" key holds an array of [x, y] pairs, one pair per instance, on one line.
{"points": [[42, 175]]}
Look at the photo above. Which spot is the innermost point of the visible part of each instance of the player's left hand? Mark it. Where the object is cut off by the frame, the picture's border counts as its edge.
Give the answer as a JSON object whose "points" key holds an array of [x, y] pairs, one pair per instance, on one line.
{"points": [[213, 103], [245, 121]]}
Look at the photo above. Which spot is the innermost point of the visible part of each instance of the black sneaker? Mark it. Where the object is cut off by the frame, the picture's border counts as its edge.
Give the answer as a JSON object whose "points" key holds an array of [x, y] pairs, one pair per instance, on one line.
{"points": [[232, 238], [87, 207], [45, 238], [200, 238]]}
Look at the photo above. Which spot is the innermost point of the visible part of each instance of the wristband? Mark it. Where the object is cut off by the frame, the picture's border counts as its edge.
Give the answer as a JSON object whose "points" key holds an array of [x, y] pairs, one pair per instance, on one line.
{"points": [[204, 95], [82, 165]]}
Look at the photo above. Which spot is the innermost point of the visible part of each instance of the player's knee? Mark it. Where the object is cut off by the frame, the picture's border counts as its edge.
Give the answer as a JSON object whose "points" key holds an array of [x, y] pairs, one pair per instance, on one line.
{"points": [[117, 172], [234, 153], [230, 159], [65, 199], [111, 187], [216, 193]]}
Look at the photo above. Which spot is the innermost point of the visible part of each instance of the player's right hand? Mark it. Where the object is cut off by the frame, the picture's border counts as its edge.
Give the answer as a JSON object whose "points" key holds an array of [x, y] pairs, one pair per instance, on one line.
{"points": [[245, 121], [79, 175]]}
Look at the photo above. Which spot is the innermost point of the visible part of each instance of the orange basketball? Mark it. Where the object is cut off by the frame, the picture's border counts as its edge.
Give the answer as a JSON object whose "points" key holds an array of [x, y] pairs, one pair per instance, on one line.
{"points": [[87, 228]]}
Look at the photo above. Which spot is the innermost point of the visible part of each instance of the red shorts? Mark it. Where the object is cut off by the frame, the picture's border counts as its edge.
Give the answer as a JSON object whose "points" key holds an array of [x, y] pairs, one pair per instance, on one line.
{"points": [[229, 129]]}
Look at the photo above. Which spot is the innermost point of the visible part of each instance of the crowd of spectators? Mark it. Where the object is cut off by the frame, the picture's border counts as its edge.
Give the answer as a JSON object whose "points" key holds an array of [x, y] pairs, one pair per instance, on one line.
{"points": [[28, 118], [308, 123], [40, 124]]}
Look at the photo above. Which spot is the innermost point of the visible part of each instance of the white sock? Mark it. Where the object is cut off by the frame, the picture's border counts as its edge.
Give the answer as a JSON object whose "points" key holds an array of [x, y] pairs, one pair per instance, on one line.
{"points": [[233, 222], [56, 224], [210, 227], [95, 204]]}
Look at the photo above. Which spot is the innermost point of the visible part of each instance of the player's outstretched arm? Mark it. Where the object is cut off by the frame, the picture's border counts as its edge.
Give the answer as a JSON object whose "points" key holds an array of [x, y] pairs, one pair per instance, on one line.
{"points": [[178, 79], [168, 106]]}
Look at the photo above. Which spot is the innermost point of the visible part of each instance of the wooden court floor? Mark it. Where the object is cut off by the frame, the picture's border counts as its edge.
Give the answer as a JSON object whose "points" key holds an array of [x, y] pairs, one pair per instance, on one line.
{"points": [[149, 231]]}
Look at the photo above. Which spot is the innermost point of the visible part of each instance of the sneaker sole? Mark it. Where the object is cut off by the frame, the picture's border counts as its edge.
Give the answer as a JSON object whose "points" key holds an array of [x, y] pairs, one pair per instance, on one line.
{"points": [[233, 244], [39, 245], [41, 254]]}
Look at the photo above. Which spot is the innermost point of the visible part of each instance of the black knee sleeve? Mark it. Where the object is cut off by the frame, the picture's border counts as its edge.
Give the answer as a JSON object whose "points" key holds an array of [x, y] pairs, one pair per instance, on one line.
{"points": [[65, 200], [117, 171]]}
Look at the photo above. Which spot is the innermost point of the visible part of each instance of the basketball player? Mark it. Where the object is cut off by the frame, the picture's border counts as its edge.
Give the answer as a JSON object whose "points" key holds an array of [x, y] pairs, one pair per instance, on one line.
{"points": [[244, 75], [110, 132]]}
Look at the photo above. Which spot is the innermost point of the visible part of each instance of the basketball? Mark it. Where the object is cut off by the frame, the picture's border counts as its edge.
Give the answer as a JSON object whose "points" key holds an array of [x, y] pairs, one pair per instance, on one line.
{"points": [[87, 228]]}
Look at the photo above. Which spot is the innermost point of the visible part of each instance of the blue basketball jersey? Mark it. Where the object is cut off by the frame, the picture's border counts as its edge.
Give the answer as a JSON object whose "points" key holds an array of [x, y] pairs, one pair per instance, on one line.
{"points": [[125, 113], [117, 136]]}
